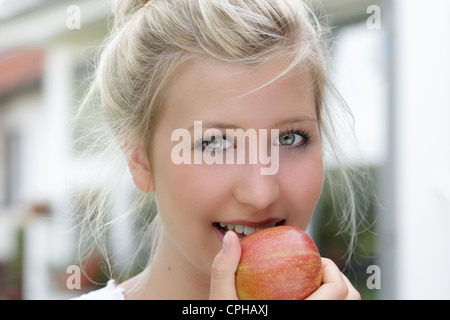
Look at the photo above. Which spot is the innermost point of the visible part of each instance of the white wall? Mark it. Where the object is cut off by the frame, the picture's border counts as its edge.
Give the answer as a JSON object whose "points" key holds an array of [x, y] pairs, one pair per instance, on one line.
{"points": [[422, 141], [21, 117], [360, 77]]}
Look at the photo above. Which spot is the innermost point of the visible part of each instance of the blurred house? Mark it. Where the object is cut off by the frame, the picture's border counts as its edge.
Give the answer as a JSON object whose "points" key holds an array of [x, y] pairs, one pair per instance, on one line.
{"points": [[44, 53]]}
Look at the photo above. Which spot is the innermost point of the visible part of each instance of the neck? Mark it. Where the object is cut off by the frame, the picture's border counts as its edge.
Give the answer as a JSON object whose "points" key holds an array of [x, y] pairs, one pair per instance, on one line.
{"points": [[171, 276]]}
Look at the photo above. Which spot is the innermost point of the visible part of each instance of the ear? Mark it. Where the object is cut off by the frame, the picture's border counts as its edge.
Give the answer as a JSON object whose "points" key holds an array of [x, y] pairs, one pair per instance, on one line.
{"points": [[139, 167]]}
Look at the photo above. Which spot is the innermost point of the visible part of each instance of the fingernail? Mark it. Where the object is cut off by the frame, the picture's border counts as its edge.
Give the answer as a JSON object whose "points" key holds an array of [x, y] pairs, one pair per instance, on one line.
{"points": [[226, 242]]}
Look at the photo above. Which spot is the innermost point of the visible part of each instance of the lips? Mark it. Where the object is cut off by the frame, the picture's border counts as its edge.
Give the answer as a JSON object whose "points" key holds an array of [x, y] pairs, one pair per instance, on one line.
{"points": [[245, 228]]}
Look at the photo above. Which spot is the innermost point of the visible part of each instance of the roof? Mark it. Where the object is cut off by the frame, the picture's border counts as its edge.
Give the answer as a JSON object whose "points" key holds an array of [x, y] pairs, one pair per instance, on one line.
{"points": [[12, 8], [20, 68]]}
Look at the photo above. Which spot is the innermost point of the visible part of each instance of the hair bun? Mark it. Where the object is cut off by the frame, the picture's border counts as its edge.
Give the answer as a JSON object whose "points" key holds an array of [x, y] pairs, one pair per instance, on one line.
{"points": [[124, 9]]}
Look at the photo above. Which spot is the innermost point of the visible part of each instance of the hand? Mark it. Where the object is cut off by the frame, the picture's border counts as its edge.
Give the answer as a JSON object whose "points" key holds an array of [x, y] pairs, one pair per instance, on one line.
{"points": [[224, 267], [334, 285]]}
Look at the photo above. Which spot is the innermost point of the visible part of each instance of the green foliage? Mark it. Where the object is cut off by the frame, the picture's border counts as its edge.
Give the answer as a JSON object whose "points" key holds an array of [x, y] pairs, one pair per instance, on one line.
{"points": [[333, 242]]}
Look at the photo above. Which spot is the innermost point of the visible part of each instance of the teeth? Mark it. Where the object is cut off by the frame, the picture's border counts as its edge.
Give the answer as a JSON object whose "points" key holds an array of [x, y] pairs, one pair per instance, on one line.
{"points": [[249, 230], [238, 228]]}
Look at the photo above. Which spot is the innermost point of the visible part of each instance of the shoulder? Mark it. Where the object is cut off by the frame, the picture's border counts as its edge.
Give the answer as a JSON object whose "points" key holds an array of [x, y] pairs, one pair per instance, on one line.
{"points": [[110, 292]]}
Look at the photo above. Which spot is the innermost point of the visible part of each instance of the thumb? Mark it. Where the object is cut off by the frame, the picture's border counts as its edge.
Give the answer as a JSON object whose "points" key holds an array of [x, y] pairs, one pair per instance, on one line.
{"points": [[224, 267]]}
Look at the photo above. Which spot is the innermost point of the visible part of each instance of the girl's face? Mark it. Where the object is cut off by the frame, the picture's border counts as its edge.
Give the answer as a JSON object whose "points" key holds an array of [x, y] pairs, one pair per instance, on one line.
{"points": [[198, 202]]}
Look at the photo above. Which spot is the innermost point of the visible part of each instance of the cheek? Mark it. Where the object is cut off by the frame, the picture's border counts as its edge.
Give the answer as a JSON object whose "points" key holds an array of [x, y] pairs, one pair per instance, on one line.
{"points": [[178, 193], [190, 186], [196, 189], [301, 187], [188, 197], [187, 192]]}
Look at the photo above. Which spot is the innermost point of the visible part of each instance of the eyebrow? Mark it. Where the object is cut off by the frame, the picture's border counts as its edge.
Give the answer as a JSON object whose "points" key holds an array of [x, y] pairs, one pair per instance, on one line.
{"points": [[295, 120], [221, 125], [214, 125]]}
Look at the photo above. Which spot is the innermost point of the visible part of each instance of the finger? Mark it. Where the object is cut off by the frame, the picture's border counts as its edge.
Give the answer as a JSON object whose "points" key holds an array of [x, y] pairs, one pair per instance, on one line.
{"points": [[331, 272], [352, 294], [333, 287], [224, 267]]}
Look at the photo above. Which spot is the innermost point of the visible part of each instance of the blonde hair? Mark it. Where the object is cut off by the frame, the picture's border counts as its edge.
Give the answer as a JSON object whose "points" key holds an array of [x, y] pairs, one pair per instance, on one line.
{"points": [[151, 40]]}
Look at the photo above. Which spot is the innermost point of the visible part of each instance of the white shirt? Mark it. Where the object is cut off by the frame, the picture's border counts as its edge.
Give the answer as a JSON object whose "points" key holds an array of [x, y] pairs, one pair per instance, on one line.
{"points": [[110, 292]]}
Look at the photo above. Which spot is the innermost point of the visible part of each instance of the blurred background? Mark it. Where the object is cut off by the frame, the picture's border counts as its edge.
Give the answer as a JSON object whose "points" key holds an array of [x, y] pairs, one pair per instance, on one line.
{"points": [[392, 65]]}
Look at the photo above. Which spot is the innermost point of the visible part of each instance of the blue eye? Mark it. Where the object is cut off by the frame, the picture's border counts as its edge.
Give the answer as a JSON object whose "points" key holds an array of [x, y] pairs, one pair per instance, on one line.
{"points": [[213, 143], [293, 139], [290, 139], [216, 144]]}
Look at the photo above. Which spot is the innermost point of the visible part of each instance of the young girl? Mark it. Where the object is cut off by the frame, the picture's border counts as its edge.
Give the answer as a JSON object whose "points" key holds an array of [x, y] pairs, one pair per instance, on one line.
{"points": [[210, 68]]}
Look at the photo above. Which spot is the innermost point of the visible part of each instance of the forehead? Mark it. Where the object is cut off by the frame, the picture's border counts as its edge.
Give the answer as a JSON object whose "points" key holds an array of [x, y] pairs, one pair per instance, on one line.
{"points": [[247, 96]]}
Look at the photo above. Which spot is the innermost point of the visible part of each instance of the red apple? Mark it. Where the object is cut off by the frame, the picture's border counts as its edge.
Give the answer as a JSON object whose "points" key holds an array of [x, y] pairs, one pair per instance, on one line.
{"points": [[278, 263]]}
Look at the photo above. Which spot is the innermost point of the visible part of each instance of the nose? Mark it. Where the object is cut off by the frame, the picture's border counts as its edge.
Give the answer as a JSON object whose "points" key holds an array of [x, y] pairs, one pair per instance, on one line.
{"points": [[254, 189]]}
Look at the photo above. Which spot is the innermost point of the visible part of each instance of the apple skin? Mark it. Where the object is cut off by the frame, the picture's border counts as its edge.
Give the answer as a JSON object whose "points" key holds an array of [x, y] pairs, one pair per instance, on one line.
{"points": [[278, 263]]}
